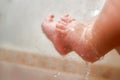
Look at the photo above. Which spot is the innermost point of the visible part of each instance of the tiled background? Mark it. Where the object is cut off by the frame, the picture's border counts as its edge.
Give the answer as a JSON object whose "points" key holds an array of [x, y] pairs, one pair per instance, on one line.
{"points": [[29, 66]]}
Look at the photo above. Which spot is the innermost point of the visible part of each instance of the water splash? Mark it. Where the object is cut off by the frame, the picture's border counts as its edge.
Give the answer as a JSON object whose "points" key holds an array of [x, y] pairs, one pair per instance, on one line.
{"points": [[87, 71]]}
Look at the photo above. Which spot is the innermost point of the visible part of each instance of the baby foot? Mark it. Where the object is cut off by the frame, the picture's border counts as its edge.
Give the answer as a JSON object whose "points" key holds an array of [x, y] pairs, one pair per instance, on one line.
{"points": [[51, 31], [69, 35], [78, 37]]}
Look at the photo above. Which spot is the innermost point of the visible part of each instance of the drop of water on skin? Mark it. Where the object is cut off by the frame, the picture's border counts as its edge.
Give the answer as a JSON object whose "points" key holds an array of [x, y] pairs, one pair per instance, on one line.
{"points": [[88, 67]]}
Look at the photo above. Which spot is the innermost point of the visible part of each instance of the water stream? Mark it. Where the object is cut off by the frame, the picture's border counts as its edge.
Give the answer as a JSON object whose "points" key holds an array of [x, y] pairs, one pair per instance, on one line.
{"points": [[87, 70]]}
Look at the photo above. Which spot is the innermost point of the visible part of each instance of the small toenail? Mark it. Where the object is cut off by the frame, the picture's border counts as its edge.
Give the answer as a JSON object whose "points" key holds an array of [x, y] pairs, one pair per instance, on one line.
{"points": [[52, 16]]}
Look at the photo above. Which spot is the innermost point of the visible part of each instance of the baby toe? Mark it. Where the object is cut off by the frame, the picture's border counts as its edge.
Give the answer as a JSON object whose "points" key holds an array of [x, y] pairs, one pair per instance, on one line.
{"points": [[50, 18], [67, 18], [62, 22], [60, 26]]}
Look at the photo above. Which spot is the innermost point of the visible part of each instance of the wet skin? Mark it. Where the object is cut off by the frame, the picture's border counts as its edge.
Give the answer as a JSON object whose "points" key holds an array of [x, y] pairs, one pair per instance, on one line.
{"points": [[90, 40]]}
